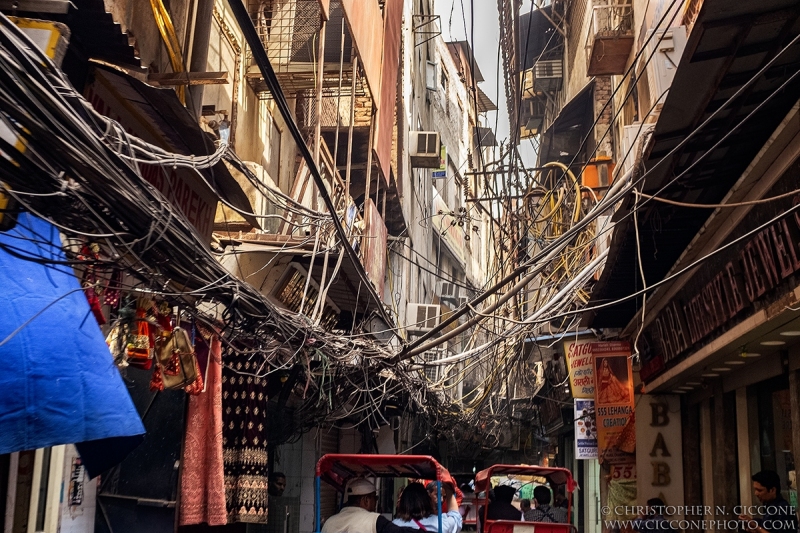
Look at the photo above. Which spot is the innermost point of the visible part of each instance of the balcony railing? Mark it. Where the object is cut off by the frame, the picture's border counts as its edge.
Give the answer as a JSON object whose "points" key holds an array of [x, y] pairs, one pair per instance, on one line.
{"points": [[610, 39]]}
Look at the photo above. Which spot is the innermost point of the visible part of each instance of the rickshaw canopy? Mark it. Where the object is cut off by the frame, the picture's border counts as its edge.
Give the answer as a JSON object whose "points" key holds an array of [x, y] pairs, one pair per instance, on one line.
{"points": [[338, 468], [556, 476]]}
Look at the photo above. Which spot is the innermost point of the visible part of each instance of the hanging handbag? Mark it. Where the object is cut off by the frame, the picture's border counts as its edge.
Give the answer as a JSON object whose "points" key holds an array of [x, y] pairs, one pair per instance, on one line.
{"points": [[176, 360]]}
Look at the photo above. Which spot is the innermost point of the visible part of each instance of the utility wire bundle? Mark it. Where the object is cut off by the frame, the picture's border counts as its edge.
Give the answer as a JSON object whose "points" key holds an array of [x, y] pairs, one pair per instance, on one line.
{"points": [[81, 171]]}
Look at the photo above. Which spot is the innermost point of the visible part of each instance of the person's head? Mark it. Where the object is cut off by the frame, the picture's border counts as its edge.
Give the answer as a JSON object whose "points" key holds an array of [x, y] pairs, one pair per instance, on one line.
{"points": [[276, 484], [504, 494], [362, 493], [542, 495], [766, 485], [525, 505], [558, 498], [655, 506], [415, 503]]}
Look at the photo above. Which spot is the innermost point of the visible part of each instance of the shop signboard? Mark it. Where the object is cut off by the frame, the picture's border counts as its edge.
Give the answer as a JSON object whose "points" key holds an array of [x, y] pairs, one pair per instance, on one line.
{"points": [[581, 373], [614, 405], [659, 455], [585, 429]]}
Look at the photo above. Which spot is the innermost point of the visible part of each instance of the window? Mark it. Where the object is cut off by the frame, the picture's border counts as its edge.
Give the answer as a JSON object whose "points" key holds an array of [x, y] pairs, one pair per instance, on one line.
{"points": [[430, 75], [444, 80]]}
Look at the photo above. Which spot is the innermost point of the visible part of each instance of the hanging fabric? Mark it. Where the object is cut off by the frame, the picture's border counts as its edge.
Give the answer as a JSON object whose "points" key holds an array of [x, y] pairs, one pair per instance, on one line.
{"points": [[244, 441], [202, 474]]}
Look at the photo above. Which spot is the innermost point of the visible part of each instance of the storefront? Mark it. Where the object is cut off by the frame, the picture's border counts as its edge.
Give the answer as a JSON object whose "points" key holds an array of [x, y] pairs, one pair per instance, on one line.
{"points": [[726, 340]]}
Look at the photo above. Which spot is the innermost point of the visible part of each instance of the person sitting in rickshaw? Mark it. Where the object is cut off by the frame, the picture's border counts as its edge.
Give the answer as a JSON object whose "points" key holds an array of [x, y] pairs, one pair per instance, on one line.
{"points": [[501, 507], [359, 515], [419, 511], [544, 512]]}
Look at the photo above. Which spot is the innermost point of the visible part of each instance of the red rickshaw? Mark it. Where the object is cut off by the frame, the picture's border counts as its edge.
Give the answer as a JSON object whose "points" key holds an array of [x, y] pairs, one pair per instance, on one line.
{"points": [[555, 477], [338, 469]]}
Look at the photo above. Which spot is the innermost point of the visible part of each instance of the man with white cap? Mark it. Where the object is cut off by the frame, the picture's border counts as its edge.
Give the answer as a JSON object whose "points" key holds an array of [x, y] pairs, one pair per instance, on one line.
{"points": [[359, 515]]}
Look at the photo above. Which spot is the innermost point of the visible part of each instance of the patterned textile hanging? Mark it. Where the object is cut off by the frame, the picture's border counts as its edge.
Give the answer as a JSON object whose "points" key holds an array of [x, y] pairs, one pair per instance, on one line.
{"points": [[244, 442], [203, 481]]}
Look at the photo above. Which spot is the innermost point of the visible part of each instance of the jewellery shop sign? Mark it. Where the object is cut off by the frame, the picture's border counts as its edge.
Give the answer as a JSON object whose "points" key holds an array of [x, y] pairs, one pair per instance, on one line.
{"points": [[727, 288]]}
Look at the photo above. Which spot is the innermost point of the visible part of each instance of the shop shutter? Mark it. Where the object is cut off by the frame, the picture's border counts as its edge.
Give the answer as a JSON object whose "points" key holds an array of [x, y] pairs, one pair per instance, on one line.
{"points": [[329, 498]]}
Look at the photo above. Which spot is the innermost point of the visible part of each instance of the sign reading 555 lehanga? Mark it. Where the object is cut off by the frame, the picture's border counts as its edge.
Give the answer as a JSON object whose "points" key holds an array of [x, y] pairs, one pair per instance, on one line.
{"points": [[616, 434]]}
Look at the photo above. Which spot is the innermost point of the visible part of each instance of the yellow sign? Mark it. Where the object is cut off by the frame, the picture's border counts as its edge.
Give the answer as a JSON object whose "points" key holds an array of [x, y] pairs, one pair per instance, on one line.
{"points": [[580, 363]]}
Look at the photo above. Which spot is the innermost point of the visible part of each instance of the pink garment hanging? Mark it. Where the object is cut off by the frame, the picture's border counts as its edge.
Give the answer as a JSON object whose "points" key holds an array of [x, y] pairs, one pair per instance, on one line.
{"points": [[203, 475]]}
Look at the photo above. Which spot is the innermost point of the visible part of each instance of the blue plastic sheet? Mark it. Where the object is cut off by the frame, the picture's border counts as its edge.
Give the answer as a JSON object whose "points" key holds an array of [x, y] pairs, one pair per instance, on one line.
{"points": [[58, 383]]}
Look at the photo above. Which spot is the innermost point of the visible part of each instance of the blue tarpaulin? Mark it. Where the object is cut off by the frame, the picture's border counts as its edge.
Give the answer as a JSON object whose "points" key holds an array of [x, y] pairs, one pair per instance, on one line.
{"points": [[59, 384]]}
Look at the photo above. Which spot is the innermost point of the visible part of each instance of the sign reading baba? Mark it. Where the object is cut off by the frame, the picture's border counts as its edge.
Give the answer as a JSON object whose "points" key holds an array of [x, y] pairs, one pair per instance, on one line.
{"points": [[581, 371], [616, 430]]}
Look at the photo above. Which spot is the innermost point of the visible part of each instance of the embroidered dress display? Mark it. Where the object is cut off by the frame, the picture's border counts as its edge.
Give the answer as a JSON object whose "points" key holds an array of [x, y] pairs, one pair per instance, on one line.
{"points": [[244, 441], [202, 478]]}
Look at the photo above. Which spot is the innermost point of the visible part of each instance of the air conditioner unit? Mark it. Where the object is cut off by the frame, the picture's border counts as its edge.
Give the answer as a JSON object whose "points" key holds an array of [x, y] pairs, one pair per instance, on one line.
{"points": [[666, 54], [431, 356], [422, 317], [425, 148], [547, 75], [447, 291], [631, 139]]}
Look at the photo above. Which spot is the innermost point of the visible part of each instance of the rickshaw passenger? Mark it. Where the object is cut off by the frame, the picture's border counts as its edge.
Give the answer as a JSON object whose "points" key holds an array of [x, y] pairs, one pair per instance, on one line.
{"points": [[501, 507], [417, 510], [359, 515], [544, 512]]}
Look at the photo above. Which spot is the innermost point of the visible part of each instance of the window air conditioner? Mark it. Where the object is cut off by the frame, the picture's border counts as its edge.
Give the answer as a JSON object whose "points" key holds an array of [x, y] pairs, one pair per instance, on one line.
{"points": [[448, 291], [547, 76], [666, 55], [425, 147], [422, 317], [431, 356]]}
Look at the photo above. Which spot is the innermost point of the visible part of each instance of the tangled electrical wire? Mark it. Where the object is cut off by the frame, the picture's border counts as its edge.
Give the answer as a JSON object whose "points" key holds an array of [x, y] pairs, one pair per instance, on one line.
{"points": [[82, 172]]}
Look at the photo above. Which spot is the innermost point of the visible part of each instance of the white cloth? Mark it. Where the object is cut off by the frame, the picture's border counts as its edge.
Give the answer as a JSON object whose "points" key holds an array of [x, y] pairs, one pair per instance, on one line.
{"points": [[351, 520], [451, 522]]}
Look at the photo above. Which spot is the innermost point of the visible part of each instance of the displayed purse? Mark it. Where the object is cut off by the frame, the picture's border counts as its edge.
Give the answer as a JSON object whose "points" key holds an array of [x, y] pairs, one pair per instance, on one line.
{"points": [[176, 360]]}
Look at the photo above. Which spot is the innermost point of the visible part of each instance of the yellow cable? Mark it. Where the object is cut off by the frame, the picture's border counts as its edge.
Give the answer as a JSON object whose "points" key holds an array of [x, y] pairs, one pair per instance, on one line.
{"points": [[170, 38]]}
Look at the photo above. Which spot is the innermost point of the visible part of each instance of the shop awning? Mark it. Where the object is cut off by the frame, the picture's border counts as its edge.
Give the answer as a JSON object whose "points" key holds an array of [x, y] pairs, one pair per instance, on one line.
{"points": [[562, 140], [59, 384], [157, 116]]}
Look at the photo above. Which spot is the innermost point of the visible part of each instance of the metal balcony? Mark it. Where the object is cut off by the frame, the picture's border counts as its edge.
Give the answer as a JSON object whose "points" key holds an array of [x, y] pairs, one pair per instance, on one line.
{"points": [[610, 38]]}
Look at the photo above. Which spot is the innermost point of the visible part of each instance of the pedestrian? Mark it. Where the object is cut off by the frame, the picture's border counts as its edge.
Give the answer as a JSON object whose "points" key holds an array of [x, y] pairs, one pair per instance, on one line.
{"points": [[653, 520], [416, 510], [777, 515], [359, 515], [278, 510]]}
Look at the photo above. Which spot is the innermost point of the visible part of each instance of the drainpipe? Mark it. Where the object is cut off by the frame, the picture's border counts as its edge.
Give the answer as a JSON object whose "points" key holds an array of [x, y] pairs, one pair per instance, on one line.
{"points": [[197, 52]]}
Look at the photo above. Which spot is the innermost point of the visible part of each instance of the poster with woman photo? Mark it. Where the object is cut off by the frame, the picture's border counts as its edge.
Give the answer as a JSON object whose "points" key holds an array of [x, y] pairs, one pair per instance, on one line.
{"points": [[616, 438]]}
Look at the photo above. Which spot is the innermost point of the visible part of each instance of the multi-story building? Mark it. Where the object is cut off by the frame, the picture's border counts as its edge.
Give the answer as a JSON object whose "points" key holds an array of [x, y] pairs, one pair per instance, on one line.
{"points": [[693, 104], [383, 110]]}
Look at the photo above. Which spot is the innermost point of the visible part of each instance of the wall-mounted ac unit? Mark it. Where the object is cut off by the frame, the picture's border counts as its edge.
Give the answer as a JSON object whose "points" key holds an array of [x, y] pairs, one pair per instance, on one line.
{"points": [[632, 137], [666, 54], [547, 75], [422, 317], [447, 291], [425, 148], [431, 356]]}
